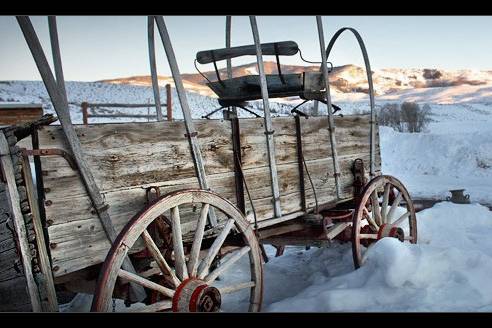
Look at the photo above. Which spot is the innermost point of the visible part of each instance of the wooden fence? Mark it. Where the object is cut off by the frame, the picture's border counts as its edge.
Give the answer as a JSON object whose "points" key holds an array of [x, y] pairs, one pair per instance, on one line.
{"points": [[85, 109]]}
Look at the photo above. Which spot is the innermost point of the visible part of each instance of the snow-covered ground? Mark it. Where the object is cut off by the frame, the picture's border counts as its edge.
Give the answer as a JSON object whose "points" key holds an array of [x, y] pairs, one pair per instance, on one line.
{"points": [[448, 270]]}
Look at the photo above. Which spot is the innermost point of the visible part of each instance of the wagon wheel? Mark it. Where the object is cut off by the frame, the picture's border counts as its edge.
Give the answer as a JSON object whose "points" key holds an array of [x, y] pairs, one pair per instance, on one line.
{"points": [[190, 278], [385, 210]]}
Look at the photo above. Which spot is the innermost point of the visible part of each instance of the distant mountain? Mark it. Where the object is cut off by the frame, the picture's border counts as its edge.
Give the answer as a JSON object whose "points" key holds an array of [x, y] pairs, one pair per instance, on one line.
{"points": [[343, 79]]}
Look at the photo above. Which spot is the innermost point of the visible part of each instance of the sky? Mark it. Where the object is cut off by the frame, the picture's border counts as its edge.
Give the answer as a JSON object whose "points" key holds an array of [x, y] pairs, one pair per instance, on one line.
{"points": [[103, 47]]}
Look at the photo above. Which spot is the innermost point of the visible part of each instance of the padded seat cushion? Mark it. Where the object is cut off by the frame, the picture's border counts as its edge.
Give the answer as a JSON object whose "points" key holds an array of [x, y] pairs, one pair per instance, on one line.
{"points": [[246, 88]]}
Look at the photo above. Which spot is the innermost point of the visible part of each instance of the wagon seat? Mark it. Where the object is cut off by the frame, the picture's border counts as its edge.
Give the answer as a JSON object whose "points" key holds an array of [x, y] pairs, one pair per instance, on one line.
{"points": [[237, 91]]}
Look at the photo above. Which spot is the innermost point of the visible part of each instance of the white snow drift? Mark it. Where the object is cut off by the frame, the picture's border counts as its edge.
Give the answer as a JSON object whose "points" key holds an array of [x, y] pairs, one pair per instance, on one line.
{"points": [[448, 270]]}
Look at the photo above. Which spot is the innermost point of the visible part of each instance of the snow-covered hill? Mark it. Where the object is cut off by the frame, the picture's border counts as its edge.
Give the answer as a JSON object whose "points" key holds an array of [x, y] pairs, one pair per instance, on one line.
{"points": [[343, 79]]}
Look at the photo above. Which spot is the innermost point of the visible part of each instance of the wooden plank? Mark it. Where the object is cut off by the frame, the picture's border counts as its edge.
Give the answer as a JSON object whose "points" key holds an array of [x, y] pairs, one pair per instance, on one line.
{"points": [[284, 48], [16, 116], [13, 292], [55, 51], [44, 261], [331, 123], [337, 229], [153, 69], [117, 105], [267, 119], [121, 115], [169, 103], [18, 220]]}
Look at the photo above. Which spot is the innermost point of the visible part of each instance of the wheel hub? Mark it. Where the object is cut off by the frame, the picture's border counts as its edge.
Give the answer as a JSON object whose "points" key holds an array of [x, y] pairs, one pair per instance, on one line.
{"points": [[194, 295], [387, 230]]}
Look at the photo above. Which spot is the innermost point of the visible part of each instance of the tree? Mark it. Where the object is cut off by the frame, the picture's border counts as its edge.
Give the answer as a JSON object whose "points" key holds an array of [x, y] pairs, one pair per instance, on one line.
{"points": [[408, 117], [414, 117]]}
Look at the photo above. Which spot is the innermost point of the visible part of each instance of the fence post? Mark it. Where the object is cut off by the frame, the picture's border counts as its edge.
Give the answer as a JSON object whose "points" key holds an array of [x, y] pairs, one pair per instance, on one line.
{"points": [[169, 103], [85, 114]]}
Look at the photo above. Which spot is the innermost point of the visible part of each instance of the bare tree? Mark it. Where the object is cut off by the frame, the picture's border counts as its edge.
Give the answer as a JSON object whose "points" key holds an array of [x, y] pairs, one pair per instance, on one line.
{"points": [[408, 117], [415, 118], [390, 115]]}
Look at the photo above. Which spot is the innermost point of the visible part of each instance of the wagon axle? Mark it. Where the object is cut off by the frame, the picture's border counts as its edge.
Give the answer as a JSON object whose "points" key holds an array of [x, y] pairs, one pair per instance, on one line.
{"points": [[388, 230], [194, 295]]}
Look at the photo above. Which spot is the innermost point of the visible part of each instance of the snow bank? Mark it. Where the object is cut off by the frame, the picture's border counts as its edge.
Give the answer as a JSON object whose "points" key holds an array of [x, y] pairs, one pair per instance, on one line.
{"points": [[449, 270], [456, 153]]}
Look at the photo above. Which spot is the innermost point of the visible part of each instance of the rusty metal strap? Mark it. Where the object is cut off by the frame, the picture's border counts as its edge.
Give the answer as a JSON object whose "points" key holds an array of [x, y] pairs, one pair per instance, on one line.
{"points": [[2, 173], [238, 174], [299, 160], [248, 193], [51, 152], [102, 208], [191, 135]]}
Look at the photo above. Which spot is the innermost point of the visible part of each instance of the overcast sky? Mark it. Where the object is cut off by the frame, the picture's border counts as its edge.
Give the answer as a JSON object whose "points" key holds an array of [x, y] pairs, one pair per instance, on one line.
{"points": [[100, 47]]}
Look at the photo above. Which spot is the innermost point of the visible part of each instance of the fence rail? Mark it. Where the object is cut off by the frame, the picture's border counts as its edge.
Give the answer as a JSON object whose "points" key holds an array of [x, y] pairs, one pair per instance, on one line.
{"points": [[86, 105]]}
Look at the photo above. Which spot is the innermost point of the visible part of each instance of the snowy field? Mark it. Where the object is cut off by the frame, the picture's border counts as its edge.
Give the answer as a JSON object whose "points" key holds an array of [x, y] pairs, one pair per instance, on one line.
{"points": [[450, 267], [98, 92]]}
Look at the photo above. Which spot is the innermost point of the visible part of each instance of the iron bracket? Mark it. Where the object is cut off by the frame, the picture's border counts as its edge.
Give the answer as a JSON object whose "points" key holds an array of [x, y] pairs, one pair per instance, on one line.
{"points": [[51, 152]]}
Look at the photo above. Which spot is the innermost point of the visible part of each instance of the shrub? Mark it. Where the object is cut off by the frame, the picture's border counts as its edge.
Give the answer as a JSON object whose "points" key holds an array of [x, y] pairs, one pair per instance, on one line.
{"points": [[408, 117], [415, 118], [390, 115]]}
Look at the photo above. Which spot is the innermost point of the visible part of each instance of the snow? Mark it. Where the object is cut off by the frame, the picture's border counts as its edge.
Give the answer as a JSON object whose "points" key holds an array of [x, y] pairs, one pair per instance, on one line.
{"points": [[447, 270], [455, 153]]}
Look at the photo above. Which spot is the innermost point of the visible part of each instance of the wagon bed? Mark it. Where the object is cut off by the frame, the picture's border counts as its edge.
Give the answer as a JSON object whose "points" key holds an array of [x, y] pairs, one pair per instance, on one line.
{"points": [[130, 157]]}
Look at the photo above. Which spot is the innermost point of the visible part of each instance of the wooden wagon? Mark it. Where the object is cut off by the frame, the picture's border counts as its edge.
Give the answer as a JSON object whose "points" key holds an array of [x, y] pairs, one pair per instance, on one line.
{"points": [[160, 213]]}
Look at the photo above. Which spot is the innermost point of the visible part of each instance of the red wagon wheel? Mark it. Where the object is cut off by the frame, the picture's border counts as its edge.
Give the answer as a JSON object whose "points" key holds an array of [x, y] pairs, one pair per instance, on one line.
{"points": [[189, 279], [385, 210]]}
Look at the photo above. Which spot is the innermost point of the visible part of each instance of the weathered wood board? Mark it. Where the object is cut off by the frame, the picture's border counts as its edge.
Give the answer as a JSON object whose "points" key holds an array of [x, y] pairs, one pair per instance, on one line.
{"points": [[127, 158], [13, 284]]}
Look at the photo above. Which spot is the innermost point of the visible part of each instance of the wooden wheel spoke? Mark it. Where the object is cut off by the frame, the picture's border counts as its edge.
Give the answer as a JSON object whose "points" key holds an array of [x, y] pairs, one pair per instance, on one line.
{"points": [[197, 241], [161, 262], [384, 207], [179, 262], [214, 249], [368, 236], [234, 288], [395, 204], [401, 219], [226, 265], [155, 307], [370, 220], [145, 282], [375, 208]]}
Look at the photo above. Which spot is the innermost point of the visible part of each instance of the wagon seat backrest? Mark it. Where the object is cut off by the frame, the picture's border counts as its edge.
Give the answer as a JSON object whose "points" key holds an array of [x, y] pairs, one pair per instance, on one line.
{"points": [[236, 91]]}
